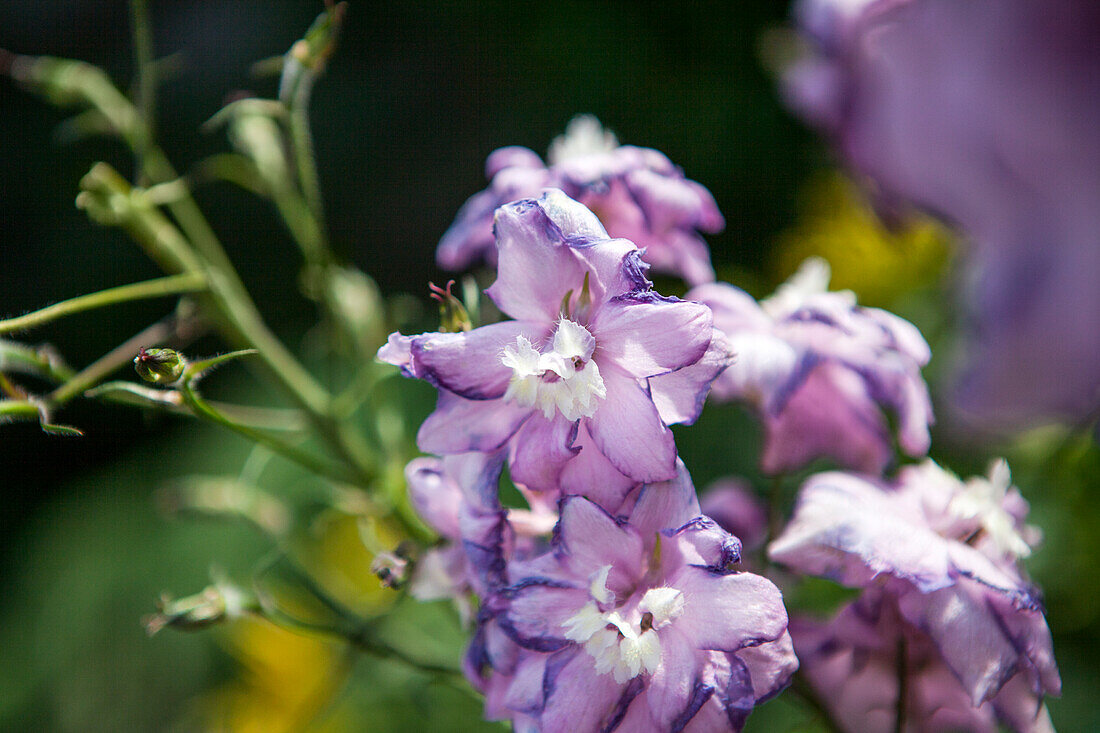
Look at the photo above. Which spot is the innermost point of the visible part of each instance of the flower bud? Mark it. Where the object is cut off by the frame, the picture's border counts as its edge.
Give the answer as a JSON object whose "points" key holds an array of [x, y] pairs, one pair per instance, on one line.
{"points": [[159, 366], [214, 604], [453, 316], [393, 568]]}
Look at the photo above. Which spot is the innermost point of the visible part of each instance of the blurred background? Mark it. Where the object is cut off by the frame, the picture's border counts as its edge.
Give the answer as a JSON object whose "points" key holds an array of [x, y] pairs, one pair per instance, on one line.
{"points": [[416, 97]]}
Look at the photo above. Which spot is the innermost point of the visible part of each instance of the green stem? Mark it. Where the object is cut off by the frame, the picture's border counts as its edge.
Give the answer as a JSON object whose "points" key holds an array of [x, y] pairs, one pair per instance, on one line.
{"points": [[118, 357], [18, 410], [291, 452], [172, 285], [146, 86], [301, 139]]}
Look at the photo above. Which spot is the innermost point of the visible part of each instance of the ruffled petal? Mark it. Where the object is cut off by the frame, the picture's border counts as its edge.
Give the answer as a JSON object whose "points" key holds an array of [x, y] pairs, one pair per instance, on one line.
{"points": [[469, 363], [459, 425], [728, 612], [646, 334], [680, 395], [541, 449], [628, 430]]}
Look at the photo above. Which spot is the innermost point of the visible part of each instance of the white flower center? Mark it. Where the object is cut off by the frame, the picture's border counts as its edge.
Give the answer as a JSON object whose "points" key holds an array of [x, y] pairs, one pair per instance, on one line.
{"points": [[618, 646], [584, 136], [563, 377], [983, 499]]}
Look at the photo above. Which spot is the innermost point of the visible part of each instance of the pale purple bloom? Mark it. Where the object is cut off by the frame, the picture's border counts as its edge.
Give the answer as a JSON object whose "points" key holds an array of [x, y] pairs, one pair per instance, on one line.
{"points": [[637, 193], [983, 112], [447, 495], [608, 633], [852, 662], [591, 371], [822, 372], [947, 552], [732, 503]]}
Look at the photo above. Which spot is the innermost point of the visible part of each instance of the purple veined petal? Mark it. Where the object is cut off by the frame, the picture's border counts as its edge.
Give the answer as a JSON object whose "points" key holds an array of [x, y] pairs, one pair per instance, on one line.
{"points": [[1019, 708], [851, 530], [830, 414], [592, 476], [680, 395], [477, 476], [537, 610], [537, 263], [771, 666], [541, 449], [646, 334], [664, 504], [577, 697], [728, 612], [398, 351], [669, 692], [701, 543], [967, 635], [459, 425], [524, 690], [434, 495], [589, 538], [469, 363], [629, 432]]}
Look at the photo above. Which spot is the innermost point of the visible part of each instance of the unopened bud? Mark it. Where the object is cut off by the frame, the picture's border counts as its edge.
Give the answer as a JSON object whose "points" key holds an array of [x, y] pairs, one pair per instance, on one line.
{"points": [[159, 366], [393, 568], [453, 316], [212, 605]]}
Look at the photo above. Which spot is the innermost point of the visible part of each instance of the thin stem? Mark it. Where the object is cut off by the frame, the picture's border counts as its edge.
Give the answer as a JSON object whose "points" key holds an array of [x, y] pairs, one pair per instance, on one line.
{"points": [[172, 285], [118, 357], [145, 93], [291, 452], [302, 141]]}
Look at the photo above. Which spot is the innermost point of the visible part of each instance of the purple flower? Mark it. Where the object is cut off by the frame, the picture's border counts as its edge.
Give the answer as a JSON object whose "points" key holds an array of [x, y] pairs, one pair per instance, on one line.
{"points": [[637, 193], [852, 664], [946, 552], [732, 503], [640, 622], [821, 372], [454, 496], [983, 112], [590, 373]]}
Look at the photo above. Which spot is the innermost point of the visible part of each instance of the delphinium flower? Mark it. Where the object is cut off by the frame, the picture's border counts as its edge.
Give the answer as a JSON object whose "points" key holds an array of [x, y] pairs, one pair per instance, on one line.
{"points": [[441, 502], [582, 385], [982, 113], [943, 554], [732, 503], [852, 663], [635, 622], [637, 193], [822, 372]]}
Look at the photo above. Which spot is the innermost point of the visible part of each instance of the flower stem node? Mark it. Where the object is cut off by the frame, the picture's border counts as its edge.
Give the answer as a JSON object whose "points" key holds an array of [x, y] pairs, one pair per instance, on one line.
{"points": [[160, 366]]}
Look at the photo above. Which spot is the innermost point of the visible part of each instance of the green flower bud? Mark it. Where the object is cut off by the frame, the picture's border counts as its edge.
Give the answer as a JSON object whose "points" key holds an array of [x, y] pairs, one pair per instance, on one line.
{"points": [[160, 366], [453, 316]]}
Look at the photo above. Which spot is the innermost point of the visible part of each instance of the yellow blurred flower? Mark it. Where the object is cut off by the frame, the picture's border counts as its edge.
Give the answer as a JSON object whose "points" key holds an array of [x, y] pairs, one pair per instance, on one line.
{"points": [[880, 264]]}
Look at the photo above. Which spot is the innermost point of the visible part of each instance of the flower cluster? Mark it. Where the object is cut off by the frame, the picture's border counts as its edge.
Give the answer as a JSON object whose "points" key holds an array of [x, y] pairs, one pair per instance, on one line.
{"points": [[944, 599], [637, 193], [822, 372], [612, 601]]}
